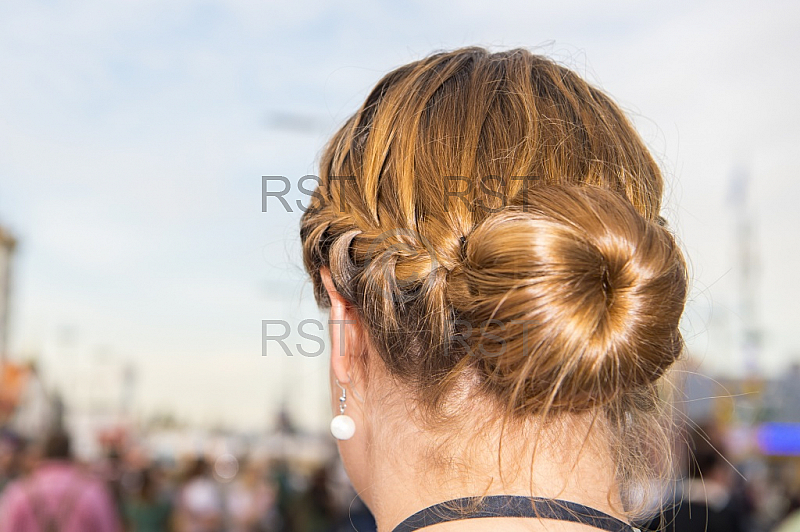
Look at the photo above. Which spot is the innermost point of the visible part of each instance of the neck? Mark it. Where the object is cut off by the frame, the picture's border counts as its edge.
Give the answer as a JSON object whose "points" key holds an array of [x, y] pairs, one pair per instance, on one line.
{"points": [[412, 469]]}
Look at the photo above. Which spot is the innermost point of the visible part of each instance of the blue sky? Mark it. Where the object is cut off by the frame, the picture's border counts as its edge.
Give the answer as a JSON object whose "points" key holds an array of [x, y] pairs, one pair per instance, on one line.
{"points": [[133, 138]]}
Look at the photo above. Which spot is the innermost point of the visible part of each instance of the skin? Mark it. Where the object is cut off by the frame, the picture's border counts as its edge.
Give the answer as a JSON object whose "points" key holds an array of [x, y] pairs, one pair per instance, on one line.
{"points": [[398, 467]]}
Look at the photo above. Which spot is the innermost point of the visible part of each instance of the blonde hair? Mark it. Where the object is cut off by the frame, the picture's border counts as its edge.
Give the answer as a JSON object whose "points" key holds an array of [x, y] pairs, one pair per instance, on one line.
{"points": [[493, 213]]}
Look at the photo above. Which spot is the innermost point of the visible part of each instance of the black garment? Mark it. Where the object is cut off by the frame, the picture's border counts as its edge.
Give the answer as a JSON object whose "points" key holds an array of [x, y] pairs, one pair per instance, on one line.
{"points": [[512, 506]]}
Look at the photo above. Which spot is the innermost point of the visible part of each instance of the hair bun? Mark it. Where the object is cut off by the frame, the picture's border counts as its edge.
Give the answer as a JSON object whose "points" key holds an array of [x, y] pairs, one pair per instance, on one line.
{"points": [[573, 298]]}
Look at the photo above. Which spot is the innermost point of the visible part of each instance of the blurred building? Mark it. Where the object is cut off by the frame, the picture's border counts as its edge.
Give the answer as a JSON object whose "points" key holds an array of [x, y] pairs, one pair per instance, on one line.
{"points": [[25, 406]]}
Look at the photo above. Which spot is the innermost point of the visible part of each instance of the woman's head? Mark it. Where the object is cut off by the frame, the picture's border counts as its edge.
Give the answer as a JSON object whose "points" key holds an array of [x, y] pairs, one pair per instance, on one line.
{"points": [[492, 221]]}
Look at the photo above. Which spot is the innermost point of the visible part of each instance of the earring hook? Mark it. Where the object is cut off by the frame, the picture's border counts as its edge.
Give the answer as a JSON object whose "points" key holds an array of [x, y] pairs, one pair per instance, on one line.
{"points": [[342, 426], [342, 398]]}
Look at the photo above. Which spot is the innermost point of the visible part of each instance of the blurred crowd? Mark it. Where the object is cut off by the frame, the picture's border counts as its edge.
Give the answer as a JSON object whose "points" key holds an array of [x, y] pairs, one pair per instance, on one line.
{"points": [[715, 492], [43, 488]]}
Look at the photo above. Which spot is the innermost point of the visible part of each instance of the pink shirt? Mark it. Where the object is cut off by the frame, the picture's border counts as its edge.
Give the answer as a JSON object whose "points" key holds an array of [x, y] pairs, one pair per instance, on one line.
{"points": [[57, 492]]}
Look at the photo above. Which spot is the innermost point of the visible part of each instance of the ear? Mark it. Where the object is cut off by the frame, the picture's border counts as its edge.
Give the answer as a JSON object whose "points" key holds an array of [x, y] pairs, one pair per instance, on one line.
{"points": [[346, 338]]}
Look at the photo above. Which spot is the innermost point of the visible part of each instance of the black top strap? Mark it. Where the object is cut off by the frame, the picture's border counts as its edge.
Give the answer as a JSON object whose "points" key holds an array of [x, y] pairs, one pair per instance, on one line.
{"points": [[512, 506]]}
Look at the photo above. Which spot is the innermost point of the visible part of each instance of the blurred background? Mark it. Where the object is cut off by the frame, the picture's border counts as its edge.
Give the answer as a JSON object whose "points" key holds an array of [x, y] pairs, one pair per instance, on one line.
{"points": [[137, 261]]}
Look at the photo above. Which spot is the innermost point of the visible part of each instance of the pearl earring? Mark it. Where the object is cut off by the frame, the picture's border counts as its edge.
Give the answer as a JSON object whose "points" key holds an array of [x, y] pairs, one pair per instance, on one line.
{"points": [[342, 426]]}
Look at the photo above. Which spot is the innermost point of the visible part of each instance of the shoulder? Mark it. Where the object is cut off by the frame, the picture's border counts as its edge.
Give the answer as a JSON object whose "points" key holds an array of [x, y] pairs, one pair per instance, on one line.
{"points": [[14, 494], [14, 504]]}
